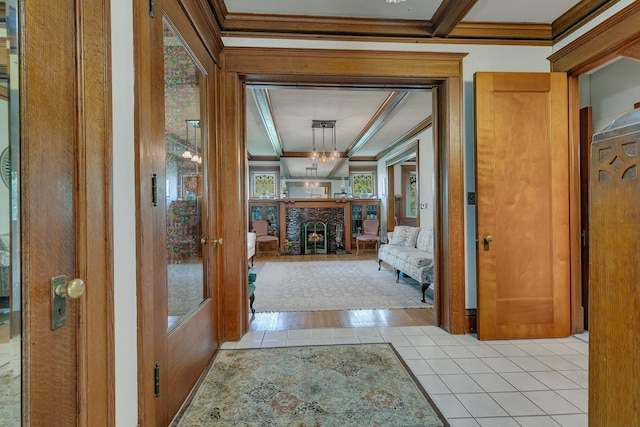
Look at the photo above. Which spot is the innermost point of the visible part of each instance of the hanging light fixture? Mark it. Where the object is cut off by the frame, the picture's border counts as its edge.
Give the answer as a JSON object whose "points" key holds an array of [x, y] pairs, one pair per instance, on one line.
{"points": [[311, 176], [324, 125], [187, 154]]}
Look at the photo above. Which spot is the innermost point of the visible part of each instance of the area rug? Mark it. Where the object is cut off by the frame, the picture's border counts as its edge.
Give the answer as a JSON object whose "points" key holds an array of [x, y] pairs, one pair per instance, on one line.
{"points": [[332, 285], [333, 385], [9, 396], [184, 288]]}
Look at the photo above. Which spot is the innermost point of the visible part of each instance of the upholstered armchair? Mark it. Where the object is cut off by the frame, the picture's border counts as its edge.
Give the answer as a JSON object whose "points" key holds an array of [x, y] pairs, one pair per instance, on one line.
{"points": [[261, 228], [251, 246], [370, 233]]}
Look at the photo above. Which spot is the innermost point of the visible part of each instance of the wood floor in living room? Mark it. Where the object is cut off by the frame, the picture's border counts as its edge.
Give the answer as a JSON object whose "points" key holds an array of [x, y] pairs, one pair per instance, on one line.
{"points": [[334, 318]]}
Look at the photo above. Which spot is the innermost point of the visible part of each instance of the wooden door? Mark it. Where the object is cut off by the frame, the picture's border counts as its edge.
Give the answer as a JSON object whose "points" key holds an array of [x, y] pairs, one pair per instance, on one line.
{"points": [[185, 237], [522, 205], [65, 212]]}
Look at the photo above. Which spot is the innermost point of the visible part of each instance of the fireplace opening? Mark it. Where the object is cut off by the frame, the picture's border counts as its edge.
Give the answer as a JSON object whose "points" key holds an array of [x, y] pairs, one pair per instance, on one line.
{"points": [[315, 238]]}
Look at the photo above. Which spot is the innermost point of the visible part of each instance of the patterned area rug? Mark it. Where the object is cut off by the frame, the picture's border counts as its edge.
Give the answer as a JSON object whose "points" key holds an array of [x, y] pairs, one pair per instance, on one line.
{"points": [[330, 285], [9, 397], [337, 385]]}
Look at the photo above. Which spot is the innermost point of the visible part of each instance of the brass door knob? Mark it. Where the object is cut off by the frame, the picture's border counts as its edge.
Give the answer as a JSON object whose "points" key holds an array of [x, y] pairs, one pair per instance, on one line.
{"points": [[74, 288], [218, 241], [203, 240], [487, 238]]}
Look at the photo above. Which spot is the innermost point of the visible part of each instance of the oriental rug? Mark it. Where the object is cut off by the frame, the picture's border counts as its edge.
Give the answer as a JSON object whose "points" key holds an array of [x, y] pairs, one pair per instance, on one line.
{"points": [[333, 285], [332, 385]]}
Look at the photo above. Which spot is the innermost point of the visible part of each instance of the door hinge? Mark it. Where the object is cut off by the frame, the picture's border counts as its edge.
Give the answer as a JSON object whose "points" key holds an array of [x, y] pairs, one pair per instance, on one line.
{"points": [[471, 198], [156, 380], [154, 190], [583, 238], [152, 8]]}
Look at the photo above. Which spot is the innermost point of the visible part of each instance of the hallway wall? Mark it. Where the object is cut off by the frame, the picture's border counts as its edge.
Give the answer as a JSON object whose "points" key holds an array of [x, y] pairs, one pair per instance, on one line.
{"points": [[124, 216]]}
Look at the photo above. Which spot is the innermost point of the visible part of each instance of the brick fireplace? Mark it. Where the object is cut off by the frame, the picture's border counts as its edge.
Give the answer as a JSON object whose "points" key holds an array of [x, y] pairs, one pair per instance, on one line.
{"points": [[297, 217]]}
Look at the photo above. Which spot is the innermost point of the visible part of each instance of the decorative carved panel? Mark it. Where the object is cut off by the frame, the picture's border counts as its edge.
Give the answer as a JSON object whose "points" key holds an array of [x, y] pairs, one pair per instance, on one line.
{"points": [[618, 161]]}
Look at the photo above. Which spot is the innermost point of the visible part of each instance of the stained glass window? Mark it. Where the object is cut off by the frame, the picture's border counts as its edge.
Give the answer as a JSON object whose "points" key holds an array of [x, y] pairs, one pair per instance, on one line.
{"points": [[363, 182], [264, 184]]}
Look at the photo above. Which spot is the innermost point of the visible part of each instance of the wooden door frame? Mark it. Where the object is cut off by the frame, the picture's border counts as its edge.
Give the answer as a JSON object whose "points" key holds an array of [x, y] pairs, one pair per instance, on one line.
{"points": [[586, 133], [440, 71], [595, 48], [391, 208], [88, 138]]}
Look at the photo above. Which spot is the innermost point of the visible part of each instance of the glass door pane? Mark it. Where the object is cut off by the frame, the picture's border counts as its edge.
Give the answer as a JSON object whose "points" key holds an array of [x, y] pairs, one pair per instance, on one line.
{"points": [[185, 179]]}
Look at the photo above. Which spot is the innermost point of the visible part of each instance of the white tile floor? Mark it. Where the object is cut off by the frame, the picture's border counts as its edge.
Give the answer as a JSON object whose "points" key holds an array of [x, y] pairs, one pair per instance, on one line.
{"points": [[474, 383]]}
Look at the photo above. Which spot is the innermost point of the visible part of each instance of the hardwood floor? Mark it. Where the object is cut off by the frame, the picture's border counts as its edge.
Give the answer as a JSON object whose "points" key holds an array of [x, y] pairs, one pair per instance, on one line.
{"points": [[336, 318]]}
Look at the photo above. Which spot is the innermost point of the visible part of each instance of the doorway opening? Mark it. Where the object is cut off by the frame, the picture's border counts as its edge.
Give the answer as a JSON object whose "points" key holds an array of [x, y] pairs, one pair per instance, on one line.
{"points": [[385, 137]]}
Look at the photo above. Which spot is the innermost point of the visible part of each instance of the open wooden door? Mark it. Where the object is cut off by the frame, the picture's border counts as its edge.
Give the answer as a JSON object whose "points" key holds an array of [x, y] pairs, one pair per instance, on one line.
{"points": [[178, 244], [522, 184]]}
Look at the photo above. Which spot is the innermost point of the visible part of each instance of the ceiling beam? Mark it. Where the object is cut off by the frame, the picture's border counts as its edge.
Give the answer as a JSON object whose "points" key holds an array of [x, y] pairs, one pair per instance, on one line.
{"points": [[446, 22], [632, 52], [263, 102], [448, 15], [376, 121], [578, 15], [420, 127], [503, 31]]}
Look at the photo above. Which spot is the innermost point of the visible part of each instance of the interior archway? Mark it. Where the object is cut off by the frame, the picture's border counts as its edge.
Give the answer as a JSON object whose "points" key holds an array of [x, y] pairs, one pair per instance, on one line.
{"points": [[441, 72]]}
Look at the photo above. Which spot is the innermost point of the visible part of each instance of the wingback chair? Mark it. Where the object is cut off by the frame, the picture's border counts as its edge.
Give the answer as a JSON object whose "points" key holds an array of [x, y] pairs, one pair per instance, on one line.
{"points": [[261, 228], [370, 233]]}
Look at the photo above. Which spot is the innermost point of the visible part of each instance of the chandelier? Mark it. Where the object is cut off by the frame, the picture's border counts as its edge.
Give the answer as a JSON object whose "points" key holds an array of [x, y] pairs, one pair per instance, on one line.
{"points": [[324, 125], [311, 176], [187, 154]]}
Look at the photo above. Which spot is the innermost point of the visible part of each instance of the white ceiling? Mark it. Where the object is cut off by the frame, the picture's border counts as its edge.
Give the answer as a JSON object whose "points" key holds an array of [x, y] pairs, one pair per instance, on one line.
{"points": [[292, 110], [537, 11]]}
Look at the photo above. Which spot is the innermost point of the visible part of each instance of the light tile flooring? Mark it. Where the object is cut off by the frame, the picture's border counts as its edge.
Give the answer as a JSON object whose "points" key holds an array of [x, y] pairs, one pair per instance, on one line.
{"points": [[539, 383]]}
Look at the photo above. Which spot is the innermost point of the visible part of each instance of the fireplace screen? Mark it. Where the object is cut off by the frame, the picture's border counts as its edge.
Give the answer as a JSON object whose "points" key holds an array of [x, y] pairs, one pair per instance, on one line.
{"points": [[315, 238]]}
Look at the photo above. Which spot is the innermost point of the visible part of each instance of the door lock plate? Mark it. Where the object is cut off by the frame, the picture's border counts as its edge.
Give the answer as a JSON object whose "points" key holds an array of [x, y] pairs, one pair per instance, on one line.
{"points": [[58, 303]]}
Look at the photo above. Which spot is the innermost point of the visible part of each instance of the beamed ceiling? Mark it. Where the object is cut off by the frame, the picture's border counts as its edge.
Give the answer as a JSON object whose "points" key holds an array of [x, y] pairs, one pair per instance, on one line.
{"points": [[371, 122]]}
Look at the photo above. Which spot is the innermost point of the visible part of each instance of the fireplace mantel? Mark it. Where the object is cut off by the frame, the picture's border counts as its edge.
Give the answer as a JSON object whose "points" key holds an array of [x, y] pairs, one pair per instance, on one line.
{"points": [[286, 206]]}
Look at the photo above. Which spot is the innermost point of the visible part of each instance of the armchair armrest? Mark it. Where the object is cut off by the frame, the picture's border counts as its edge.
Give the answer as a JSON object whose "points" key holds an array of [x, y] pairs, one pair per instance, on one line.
{"points": [[251, 244], [5, 259]]}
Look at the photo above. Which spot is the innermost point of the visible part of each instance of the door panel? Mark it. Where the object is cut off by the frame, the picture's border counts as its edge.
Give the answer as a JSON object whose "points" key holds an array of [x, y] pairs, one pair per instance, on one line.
{"points": [[49, 202], [522, 205]]}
